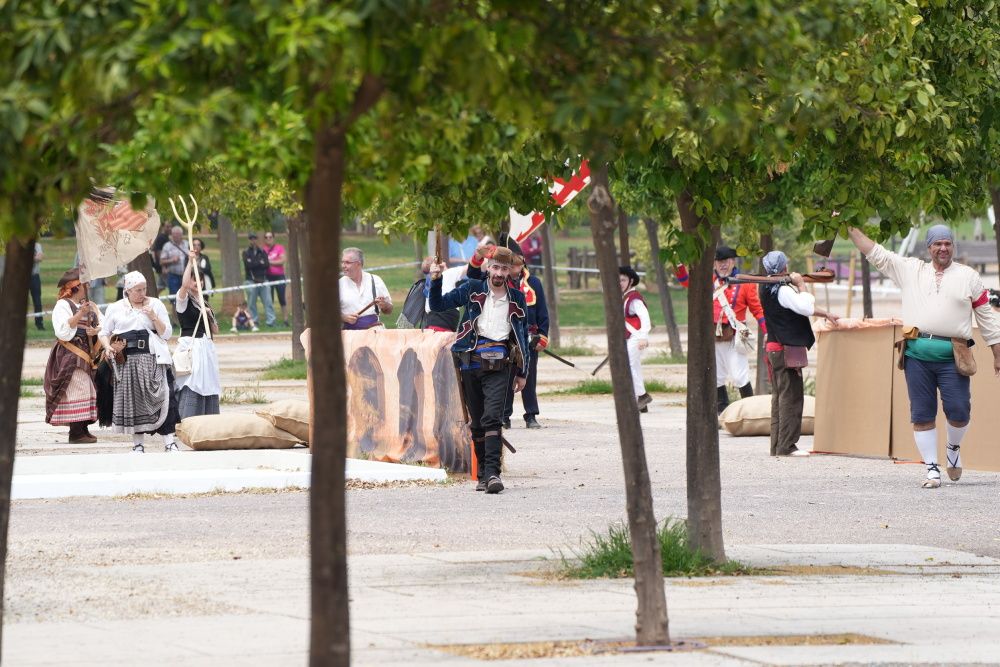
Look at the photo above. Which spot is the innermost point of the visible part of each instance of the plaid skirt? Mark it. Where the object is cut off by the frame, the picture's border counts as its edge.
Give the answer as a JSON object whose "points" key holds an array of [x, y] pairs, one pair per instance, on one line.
{"points": [[144, 402]]}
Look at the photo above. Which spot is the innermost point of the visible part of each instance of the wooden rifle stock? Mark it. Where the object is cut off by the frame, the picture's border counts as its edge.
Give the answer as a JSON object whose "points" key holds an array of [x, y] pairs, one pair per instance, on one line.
{"points": [[819, 276]]}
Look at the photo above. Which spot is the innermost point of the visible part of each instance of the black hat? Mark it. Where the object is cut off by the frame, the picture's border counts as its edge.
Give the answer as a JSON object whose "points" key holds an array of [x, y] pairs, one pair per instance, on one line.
{"points": [[251, 235], [633, 277], [724, 252]]}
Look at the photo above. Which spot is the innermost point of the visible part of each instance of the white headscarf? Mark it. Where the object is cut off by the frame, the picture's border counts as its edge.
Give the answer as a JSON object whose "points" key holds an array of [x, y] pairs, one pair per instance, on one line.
{"points": [[133, 279]]}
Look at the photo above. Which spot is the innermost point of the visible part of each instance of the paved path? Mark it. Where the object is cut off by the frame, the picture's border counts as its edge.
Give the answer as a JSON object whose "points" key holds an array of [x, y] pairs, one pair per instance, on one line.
{"points": [[223, 578], [257, 611]]}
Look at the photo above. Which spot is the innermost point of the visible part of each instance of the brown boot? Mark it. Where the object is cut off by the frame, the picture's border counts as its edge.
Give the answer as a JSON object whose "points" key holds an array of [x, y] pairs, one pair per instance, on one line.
{"points": [[78, 434]]}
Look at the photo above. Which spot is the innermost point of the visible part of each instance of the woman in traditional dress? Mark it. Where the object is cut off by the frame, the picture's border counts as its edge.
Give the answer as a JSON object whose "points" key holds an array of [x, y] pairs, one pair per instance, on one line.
{"points": [[197, 391], [70, 395], [135, 333]]}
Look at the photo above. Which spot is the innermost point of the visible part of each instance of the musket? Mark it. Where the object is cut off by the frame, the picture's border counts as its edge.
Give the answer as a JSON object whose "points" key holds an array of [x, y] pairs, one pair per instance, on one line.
{"points": [[818, 276], [600, 365], [358, 314], [560, 359]]}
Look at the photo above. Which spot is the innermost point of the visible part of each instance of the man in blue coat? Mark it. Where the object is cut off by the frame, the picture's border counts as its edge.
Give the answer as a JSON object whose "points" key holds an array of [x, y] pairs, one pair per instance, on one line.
{"points": [[538, 332], [492, 344]]}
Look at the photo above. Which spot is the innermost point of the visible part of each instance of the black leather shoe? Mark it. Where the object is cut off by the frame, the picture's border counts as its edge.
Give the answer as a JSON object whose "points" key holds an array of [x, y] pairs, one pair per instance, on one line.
{"points": [[481, 485], [531, 422], [505, 423], [494, 485]]}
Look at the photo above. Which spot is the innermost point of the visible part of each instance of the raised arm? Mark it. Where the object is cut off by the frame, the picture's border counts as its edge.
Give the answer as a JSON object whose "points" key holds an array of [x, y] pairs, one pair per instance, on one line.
{"points": [[860, 240]]}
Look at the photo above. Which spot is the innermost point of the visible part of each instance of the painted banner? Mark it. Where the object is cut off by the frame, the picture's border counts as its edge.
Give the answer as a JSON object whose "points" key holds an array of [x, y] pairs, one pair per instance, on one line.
{"points": [[563, 192], [110, 234], [403, 403]]}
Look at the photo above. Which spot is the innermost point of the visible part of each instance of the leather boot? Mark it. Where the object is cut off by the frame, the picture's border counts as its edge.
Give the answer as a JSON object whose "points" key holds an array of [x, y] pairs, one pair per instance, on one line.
{"points": [[723, 395], [78, 434], [480, 447], [746, 390]]}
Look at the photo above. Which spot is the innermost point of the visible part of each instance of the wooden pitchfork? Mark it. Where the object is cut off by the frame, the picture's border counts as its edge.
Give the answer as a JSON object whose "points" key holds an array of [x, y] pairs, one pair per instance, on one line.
{"points": [[188, 221]]}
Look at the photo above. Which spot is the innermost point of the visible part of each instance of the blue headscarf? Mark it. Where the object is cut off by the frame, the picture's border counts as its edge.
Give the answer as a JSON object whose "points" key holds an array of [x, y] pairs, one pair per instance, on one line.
{"points": [[939, 233], [774, 262]]}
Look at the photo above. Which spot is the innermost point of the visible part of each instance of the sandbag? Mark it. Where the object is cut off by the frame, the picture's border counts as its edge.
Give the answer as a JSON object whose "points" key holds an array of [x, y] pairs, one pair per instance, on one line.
{"points": [[288, 415], [752, 416], [233, 431]]}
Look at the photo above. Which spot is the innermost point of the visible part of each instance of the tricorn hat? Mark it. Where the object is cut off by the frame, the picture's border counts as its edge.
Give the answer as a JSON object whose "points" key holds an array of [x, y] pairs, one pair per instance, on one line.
{"points": [[724, 252]]}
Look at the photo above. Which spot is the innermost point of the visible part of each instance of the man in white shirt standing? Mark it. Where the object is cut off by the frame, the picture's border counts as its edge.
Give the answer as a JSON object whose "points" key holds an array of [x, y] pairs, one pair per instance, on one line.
{"points": [[363, 295], [787, 309], [940, 298]]}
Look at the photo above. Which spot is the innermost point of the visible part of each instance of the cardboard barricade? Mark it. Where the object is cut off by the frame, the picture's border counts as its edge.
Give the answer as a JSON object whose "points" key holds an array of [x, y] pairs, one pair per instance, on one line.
{"points": [[862, 406], [403, 403]]}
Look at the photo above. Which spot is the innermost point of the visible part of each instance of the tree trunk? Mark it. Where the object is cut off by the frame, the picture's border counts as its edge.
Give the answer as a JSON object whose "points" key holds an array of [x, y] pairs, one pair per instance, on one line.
{"points": [[295, 285], [652, 626], [143, 263], [763, 385], [330, 629], [704, 482], [549, 280], [624, 252], [995, 200], [866, 286], [13, 330], [666, 301], [232, 266]]}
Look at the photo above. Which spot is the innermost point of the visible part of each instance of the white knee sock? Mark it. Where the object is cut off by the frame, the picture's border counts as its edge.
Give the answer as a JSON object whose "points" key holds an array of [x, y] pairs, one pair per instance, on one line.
{"points": [[138, 438], [927, 444], [953, 453]]}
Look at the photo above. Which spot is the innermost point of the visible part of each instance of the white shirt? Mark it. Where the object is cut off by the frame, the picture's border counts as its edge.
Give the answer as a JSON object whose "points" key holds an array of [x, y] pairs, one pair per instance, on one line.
{"points": [[802, 303], [61, 313], [354, 297], [493, 322], [121, 317], [943, 309], [638, 308]]}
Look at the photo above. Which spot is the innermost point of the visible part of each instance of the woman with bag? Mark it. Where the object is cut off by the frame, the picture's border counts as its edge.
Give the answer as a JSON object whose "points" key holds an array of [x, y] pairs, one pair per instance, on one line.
{"points": [[196, 365], [787, 309], [135, 334]]}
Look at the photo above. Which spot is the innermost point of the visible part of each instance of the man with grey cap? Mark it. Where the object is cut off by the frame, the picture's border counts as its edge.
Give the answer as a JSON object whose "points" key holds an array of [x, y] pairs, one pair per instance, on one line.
{"points": [[940, 298], [787, 309]]}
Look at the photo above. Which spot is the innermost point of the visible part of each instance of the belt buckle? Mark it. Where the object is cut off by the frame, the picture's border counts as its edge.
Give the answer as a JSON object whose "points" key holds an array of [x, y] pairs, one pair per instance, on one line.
{"points": [[141, 344]]}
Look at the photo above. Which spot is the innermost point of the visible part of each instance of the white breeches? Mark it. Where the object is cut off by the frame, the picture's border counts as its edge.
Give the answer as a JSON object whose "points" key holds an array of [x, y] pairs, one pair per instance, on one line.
{"points": [[635, 365], [731, 364]]}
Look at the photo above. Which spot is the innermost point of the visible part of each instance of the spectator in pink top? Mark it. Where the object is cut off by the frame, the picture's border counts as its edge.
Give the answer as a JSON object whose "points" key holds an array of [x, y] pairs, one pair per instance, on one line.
{"points": [[276, 271]]}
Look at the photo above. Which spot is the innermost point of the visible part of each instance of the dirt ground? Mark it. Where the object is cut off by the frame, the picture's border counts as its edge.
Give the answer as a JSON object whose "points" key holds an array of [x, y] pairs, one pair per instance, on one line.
{"points": [[95, 558]]}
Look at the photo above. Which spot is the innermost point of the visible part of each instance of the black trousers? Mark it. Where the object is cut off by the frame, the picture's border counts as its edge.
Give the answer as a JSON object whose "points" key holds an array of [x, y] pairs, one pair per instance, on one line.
{"points": [[529, 396], [486, 396], [35, 287]]}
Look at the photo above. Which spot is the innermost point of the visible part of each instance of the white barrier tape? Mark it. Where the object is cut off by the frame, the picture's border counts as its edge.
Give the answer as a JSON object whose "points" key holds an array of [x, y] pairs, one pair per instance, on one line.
{"points": [[221, 290]]}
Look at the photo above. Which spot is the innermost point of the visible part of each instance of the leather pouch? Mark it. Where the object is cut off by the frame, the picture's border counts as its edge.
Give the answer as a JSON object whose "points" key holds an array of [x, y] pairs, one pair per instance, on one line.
{"points": [[724, 333], [796, 356], [909, 333], [965, 361]]}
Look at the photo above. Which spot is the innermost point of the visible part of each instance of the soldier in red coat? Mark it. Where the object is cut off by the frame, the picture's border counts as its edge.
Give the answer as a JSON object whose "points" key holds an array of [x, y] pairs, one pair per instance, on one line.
{"points": [[729, 312]]}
